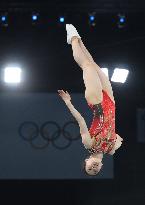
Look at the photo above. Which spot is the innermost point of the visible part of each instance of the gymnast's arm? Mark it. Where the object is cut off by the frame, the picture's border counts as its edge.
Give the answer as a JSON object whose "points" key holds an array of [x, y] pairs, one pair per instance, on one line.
{"points": [[86, 138]]}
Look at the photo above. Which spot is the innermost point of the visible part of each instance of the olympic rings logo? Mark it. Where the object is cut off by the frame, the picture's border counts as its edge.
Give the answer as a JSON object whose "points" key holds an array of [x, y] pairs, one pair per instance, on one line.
{"points": [[49, 131]]}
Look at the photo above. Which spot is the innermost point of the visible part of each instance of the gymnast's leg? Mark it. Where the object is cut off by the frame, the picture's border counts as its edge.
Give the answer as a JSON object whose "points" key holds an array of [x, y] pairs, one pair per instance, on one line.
{"points": [[86, 58], [93, 92], [106, 85], [86, 51]]}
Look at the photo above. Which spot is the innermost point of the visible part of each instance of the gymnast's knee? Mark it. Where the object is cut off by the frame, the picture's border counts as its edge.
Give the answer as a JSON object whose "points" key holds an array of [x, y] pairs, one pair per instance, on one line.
{"points": [[87, 64]]}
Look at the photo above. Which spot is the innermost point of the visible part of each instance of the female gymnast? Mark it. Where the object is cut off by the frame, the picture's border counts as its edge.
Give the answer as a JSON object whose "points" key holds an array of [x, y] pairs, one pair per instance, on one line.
{"points": [[101, 138]]}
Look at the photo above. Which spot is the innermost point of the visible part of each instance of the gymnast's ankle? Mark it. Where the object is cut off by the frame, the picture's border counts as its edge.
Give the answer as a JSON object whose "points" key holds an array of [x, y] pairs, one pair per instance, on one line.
{"points": [[74, 38]]}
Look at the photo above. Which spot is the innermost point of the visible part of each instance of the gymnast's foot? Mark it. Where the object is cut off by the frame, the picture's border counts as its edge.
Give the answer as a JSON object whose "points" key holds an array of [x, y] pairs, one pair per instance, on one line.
{"points": [[71, 32]]}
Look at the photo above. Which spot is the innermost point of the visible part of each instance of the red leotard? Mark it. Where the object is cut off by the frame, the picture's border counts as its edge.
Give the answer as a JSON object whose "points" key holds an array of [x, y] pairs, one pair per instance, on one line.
{"points": [[103, 127]]}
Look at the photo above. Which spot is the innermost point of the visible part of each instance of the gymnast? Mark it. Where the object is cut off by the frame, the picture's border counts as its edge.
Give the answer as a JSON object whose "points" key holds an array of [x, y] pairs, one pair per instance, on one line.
{"points": [[101, 138]]}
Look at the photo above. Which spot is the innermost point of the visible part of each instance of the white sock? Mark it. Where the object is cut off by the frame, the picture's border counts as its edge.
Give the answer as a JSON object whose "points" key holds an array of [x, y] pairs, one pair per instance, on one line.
{"points": [[71, 32]]}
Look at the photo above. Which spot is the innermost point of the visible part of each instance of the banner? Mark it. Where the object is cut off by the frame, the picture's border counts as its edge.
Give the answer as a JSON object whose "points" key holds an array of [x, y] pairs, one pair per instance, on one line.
{"points": [[39, 138]]}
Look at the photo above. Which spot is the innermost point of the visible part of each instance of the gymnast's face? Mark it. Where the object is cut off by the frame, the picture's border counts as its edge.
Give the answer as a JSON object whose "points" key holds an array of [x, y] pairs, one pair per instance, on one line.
{"points": [[93, 165]]}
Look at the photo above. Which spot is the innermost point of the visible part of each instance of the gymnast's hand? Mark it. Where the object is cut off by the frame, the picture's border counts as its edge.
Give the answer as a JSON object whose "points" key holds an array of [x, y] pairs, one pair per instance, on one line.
{"points": [[65, 96]]}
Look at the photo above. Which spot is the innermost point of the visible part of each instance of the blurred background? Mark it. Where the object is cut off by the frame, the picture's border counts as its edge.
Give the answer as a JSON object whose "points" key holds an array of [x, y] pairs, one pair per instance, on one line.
{"points": [[41, 154]]}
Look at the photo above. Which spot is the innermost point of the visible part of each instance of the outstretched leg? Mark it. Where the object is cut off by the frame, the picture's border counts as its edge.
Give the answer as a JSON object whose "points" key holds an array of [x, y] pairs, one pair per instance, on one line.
{"points": [[106, 85], [86, 51], [93, 92]]}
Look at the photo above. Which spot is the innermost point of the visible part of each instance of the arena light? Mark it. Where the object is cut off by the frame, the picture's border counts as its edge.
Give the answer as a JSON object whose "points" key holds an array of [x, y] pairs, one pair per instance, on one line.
{"points": [[12, 74], [4, 20], [92, 19], [61, 19], [35, 18], [121, 20], [119, 75], [105, 70]]}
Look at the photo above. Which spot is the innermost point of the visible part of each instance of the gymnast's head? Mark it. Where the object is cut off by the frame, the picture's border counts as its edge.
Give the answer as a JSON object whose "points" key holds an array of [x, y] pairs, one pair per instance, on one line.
{"points": [[93, 164]]}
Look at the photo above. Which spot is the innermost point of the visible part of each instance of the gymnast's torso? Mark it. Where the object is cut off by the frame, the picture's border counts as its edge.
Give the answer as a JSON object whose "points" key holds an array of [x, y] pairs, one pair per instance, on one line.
{"points": [[103, 126]]}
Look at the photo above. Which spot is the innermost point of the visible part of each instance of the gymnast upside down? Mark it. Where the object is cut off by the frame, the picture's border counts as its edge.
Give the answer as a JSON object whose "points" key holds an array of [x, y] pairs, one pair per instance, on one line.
{"points": [[101, 138]]}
